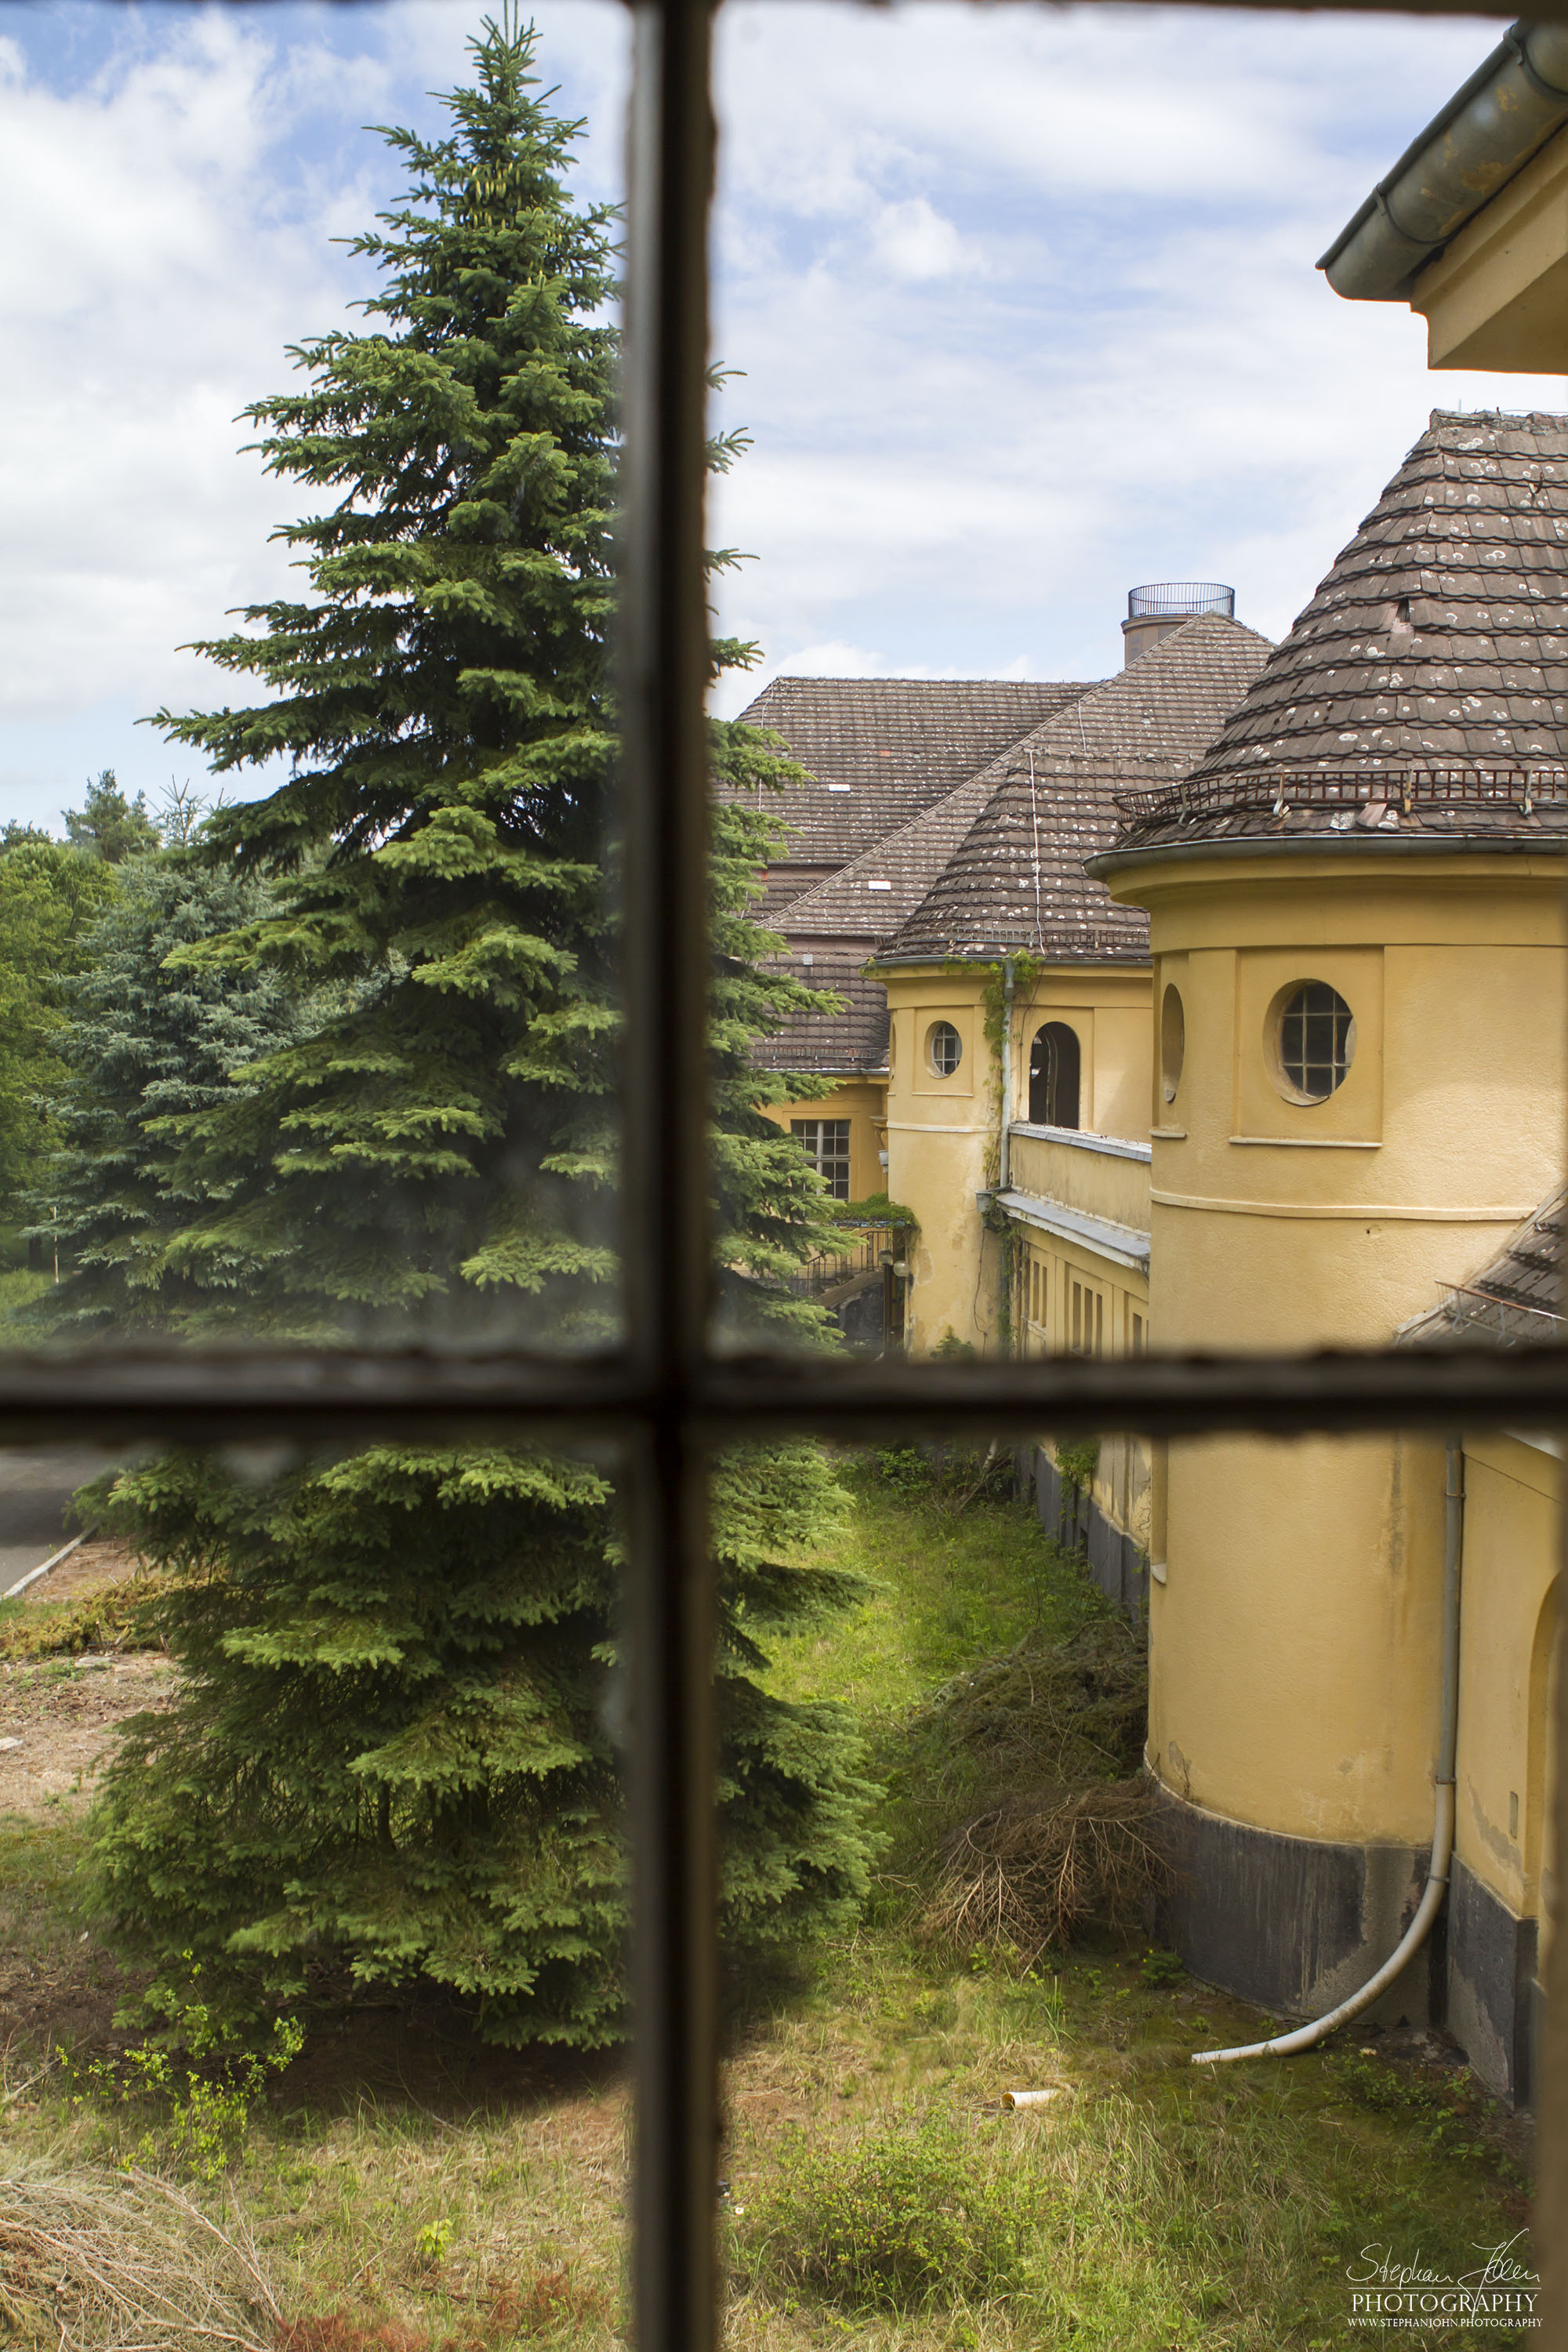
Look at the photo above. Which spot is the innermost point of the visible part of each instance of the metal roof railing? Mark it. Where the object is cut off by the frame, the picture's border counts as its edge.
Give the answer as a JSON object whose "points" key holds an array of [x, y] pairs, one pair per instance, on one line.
{"points": [[1233, 792], [1163, 599]]}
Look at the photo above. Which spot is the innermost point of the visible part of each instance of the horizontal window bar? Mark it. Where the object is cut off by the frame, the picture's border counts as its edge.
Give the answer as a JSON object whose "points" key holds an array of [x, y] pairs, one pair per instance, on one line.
{"points": [[198, 1398]]}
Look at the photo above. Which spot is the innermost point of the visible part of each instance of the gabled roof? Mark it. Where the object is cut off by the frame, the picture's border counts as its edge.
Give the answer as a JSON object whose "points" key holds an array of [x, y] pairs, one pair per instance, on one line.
{"points": [[892, 746], [1424, 689], [1015, 883], [877, 891]]}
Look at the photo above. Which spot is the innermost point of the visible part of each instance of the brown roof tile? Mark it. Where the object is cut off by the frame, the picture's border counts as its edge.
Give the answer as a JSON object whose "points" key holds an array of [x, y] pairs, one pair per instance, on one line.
{"points": [[834, 1043], [891, 746]]}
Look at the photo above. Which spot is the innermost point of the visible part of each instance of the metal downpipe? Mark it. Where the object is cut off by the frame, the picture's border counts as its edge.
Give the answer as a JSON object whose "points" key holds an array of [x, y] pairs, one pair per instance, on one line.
{"points": [[1304, 2037]]}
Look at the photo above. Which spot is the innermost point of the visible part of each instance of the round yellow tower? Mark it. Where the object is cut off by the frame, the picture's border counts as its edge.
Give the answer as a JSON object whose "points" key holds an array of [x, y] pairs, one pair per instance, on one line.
{"points": [[1356, 915]]}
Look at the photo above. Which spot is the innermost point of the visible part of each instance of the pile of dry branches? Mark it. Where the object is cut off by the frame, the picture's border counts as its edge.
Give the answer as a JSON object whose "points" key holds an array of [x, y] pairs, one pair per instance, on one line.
{"points": [[1027, 1872], [105, 2262], [1023, 1772]]}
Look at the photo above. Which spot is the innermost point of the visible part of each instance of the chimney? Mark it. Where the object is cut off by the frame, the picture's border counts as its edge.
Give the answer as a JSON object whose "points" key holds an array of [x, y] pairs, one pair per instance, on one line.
{"points": [[1153, 612]]}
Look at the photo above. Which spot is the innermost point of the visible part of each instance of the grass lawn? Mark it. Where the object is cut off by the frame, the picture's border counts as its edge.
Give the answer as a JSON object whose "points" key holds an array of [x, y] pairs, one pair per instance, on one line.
{"points": [[406, 2189]]}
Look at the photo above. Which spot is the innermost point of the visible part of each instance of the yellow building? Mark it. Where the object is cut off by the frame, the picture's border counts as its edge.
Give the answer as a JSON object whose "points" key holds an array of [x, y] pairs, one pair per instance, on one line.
{"points": [[1470, 227], [995, 1052], [1356, 917], [868, 828]]}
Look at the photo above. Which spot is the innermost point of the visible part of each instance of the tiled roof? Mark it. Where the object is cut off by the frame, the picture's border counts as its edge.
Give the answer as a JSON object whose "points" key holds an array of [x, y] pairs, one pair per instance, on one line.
{"points": [[843, 1043], [1015, 882], [1424, 689], [891, 746], [880, 889], [1519, 1297]]}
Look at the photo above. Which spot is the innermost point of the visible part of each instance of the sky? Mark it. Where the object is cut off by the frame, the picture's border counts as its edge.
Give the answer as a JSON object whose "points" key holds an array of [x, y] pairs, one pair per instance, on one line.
{"points": [[1020, 301]]}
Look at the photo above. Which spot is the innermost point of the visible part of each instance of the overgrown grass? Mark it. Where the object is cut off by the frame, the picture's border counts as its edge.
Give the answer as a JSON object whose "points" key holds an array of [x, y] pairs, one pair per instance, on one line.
{"points": [[410, 2194], [115, 1616], [19, 1285]]}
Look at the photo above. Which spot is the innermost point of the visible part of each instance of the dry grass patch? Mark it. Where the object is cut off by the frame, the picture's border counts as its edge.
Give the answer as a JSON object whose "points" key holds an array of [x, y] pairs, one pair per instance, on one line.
{"points": [[98, 2262]]}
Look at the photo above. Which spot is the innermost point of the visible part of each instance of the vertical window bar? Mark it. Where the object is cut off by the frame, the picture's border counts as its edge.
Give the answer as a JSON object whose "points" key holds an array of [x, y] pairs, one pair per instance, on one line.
{"points": [[663, 676]]}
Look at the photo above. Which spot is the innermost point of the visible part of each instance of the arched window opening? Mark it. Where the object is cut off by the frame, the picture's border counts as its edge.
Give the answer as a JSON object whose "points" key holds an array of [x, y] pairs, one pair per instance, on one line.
{"points": [[1054, 1076]]}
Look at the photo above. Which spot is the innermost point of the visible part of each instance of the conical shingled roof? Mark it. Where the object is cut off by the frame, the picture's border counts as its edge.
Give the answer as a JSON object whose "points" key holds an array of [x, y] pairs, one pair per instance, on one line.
{"points": [[1015, 884], [1424, 689]]}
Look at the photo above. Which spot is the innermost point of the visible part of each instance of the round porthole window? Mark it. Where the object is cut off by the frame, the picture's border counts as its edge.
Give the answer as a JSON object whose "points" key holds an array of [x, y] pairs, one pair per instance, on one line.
{"points": [[1173, 1042], [1314, 1041], [945, 1048]]}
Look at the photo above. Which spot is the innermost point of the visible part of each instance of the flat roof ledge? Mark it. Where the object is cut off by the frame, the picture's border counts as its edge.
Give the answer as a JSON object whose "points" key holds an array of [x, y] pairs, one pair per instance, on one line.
{"points": [[1122, 1244]]}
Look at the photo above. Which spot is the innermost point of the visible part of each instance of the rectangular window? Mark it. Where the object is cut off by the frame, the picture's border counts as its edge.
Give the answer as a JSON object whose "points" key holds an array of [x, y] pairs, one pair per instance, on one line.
{"points": [[825, 1143], [660, 1389]]}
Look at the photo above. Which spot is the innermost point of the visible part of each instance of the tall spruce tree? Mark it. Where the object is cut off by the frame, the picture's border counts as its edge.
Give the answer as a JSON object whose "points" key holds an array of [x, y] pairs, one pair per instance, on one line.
{"points": [[393, 1753]]}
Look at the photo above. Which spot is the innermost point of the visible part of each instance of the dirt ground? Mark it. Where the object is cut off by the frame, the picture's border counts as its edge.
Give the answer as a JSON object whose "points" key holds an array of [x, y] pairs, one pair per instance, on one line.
{"points": [[57, 1721], [94, 1565]]}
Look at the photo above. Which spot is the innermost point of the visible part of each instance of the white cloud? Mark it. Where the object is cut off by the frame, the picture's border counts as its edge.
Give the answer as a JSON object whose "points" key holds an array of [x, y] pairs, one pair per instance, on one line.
{"points": [[1024, 298], [171, 190], [1128, 368], [912, 240]]}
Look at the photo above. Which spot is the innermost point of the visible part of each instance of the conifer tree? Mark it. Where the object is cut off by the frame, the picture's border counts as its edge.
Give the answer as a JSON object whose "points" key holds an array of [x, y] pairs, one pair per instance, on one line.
{"points": [[51, 898], [145, 1042], [393, 1753], [110, 826]]}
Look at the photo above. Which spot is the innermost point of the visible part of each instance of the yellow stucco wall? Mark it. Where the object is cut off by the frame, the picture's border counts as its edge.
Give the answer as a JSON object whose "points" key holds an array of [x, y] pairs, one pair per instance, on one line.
{"points": [[1295, 1642], [1512, 1499], [861, 1101], [1496, 296]]}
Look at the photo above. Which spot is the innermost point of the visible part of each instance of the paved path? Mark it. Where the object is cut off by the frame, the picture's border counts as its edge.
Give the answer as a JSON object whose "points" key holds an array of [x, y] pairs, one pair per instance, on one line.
{"points": [[36, 1488]]}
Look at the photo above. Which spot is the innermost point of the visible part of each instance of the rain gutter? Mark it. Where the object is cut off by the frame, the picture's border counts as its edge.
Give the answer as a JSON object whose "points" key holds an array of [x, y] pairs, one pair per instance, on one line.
{"points": [[1486, 133]]}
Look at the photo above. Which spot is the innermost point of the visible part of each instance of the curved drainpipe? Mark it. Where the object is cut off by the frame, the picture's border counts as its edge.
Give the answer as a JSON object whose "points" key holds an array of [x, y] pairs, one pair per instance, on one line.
{"points": [[1488, 130], [1436, 1886]]}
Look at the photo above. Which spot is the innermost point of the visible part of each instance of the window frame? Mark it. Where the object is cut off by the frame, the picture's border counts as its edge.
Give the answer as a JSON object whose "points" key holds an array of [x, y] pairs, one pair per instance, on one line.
{"points": [[667, 1397]]}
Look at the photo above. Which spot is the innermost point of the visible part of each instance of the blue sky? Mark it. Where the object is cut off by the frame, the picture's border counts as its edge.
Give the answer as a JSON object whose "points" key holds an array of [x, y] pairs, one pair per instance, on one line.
{"points": [[1023, 300]]}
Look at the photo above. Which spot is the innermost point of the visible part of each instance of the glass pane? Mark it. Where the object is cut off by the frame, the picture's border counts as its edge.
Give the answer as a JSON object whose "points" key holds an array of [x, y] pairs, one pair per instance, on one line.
{"points": [[313, 1895], [1014, 822], [1125, 1760], [311, 997]]}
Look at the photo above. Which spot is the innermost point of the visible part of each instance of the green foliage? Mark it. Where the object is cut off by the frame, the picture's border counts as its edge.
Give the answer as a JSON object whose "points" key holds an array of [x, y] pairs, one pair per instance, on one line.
{"points": [[908, 2215], [875, 1208], [433, 2241], [202, 2069], [110, 827], [51, 898], [147, 1042], [1078, 1459], [1160, 1968], [391, 1763], [952, 1477], [441, 1153]]}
